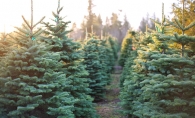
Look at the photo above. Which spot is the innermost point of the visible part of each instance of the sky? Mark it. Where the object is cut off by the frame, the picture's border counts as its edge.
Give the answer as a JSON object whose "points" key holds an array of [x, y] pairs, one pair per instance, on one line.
{"points": [[75, 10]]}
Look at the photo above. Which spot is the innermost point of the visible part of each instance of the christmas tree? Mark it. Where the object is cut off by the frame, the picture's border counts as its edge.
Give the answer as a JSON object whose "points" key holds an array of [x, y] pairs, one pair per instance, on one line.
{"points": [[126, 47], [161, 81], [5, 44], [97, 75], [33, 80], [71, 56]]}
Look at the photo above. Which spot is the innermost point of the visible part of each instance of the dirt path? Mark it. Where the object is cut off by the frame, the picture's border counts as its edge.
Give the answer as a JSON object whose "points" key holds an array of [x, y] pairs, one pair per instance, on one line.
{"points": [[109, 107]]}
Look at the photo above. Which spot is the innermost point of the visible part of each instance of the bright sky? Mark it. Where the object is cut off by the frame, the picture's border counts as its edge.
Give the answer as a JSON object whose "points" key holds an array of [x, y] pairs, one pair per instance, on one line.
{"points": [[12, 10]]}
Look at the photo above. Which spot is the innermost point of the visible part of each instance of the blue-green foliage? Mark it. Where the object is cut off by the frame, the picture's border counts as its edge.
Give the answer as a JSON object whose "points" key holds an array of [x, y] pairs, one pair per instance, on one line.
{"points": [[33, 83], [160, 82], [99, 57], [71, 56]]}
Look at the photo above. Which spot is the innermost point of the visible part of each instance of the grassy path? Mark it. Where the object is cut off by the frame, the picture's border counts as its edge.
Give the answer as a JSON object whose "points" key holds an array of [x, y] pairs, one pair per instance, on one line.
{"points": [[109, 107]]}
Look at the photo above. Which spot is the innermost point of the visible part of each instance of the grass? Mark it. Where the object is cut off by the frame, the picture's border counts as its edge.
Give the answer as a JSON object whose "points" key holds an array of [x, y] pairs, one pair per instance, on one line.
{"points": [[109, 107]]}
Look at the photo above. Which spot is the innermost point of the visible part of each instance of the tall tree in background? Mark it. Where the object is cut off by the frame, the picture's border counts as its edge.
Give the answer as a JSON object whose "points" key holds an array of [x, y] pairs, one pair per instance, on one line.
{"points": [[97, 25], [115, 27], [92, 23], [146, 21], [90, 16], [125, 27], [106, 27]]}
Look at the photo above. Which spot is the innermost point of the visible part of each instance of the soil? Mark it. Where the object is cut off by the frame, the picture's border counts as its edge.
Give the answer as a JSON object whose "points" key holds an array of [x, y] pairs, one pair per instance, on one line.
{"points": [[110, 108]]}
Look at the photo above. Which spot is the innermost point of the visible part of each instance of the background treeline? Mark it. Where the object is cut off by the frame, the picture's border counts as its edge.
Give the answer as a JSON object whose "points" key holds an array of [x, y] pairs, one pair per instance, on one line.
{"points": [[112, 26]]}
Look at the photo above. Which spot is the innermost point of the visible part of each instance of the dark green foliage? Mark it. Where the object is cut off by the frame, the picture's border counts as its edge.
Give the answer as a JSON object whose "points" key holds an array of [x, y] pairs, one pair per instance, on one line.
{"points": [[96, 68], [113, 45], [71, 56], [100, 57], [127, 67], [108, 56]]}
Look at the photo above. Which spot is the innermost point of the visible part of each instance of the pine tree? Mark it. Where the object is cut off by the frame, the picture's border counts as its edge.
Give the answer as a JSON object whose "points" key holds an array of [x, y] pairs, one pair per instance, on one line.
{"points": [[71, 57]]}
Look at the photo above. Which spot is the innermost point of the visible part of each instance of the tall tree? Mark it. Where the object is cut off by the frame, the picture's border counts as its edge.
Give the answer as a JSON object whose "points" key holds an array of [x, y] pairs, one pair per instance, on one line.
{"points": [[90, 17], [115, 27], [106, 27], [97, 25], [146, 22]]}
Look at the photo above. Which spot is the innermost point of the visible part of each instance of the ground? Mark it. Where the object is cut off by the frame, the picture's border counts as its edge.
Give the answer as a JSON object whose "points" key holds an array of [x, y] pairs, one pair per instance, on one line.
{"points": [[109, 108]]}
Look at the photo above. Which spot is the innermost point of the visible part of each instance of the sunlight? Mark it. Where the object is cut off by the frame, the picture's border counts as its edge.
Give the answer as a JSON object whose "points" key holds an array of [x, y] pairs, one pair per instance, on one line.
{"points": [[11, 11]]}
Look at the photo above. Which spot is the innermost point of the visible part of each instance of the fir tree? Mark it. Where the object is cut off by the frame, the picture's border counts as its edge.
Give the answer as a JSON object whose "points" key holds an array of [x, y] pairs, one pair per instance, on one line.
{"points": [[5, 44], [133, 73], [161, 82], [107, 59], [97, 74], [32, 80], [126, 48], [71, 57], [112, 55]]}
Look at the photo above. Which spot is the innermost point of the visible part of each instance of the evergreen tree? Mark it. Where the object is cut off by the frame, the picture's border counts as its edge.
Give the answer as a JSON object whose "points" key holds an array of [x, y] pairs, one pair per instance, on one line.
{"points": [[125, 27], [132, 75], [126, 47], [187, 15], [146, 22], [32, 80], [107, 56], [100, 57], [96, 68], [161, 82], [115, 27], [143, 41], [71, 57], [113, 45], [5, 44]]}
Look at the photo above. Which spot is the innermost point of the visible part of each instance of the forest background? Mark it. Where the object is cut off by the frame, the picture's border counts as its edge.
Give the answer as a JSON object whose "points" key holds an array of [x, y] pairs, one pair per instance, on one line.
{"points": [[112, 17]]}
